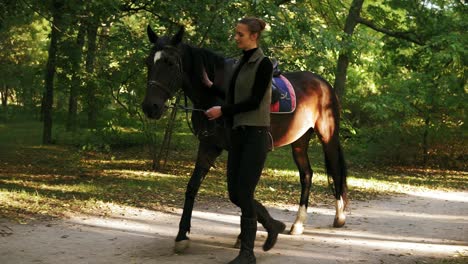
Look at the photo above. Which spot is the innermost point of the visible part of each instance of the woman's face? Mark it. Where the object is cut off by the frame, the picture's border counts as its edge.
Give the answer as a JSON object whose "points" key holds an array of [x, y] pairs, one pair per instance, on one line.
{"points": [[244, 39]]}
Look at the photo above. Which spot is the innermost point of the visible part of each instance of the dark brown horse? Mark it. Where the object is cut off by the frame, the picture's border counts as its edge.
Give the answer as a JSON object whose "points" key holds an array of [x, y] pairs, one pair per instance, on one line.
{"points": [[173, 65]]}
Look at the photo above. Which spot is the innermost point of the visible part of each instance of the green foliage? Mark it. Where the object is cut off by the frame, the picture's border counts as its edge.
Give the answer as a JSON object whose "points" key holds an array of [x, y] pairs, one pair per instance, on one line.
{"points": [[403, 103], [106, 138], [413, 105]]}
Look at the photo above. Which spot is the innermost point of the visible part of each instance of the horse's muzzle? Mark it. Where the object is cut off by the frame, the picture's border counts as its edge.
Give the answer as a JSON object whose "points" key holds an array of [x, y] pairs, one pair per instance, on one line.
{"points": [[152, 110]]}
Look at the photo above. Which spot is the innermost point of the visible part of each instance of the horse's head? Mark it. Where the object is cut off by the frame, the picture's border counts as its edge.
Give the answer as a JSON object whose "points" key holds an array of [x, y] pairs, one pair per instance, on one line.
{"points": [[165, 72]]}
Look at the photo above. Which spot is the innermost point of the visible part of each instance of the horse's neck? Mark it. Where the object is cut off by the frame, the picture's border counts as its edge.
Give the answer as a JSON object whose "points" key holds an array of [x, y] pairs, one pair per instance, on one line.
{"points": [[194, 88]]}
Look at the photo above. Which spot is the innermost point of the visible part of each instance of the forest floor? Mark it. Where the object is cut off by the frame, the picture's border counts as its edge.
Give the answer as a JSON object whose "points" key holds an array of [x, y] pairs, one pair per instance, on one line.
{"points": [[63, 204], [424, 227]]}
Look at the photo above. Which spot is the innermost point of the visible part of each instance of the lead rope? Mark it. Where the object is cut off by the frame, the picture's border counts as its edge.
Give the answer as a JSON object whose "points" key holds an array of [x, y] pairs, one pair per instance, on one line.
{"points": [[187, 116]]}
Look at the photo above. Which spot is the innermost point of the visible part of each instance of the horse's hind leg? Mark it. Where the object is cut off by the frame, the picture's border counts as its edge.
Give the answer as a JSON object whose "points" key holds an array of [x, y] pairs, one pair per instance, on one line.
{"points": [[336, 167], [207, 154], [301, 158]]}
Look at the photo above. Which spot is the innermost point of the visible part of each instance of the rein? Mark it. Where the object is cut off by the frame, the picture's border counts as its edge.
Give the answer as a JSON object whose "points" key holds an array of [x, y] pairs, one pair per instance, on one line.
{"points": [[174, 53], [188, 109]]}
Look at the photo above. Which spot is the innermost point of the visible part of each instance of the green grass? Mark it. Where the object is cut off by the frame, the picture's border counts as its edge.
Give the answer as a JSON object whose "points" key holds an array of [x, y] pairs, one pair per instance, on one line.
{"points": [[58, 180]]}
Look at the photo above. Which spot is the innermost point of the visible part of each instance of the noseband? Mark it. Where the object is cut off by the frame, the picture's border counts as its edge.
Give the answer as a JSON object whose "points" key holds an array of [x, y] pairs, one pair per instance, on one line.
{"points": [[152, 84]]}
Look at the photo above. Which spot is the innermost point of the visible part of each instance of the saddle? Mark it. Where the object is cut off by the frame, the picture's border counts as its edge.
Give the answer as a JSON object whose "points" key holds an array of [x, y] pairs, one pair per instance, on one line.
{"points": [[283, 97]]}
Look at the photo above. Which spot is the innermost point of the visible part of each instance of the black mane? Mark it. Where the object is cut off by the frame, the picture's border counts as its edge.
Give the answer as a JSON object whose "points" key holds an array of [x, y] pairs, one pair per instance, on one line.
{"points": [[196, 60], [206, 59]]}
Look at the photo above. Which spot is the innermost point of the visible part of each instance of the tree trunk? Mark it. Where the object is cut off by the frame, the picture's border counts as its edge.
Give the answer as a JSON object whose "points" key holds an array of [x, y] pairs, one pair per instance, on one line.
{"points": [[75, 81], [159, 160], [49, 77], [4, 95], [90, 80], [343, 59], [427, 123]]}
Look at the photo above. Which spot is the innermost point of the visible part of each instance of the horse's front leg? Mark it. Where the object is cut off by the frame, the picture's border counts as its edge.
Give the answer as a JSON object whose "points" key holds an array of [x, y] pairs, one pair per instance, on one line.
{"points": [[207, 154], [299, 151]]}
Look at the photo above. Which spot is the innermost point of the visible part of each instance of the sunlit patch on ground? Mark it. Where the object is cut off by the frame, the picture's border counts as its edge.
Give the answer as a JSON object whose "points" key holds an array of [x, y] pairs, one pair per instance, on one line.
{"points": [[447, 196]]}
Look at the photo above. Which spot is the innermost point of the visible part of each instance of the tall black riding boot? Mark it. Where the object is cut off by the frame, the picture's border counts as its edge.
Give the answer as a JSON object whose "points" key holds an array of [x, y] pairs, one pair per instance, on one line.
{"points": [[248, 233], [273, 226]]}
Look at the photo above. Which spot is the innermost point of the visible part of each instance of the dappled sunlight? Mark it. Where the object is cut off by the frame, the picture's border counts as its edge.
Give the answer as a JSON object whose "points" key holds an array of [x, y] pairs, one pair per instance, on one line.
{"points": [[25, 205], [292, 175], [64, 188], [376, 213], [48, 147], [439, 195], [222, 218], [118, 192], [113, 162], [429, 171], [187, 134], [283, 173], [381, 185], [398, 179], [137, 174], [391, 242], [219, 227], [39, 177], [131, 219], [362, 235]]}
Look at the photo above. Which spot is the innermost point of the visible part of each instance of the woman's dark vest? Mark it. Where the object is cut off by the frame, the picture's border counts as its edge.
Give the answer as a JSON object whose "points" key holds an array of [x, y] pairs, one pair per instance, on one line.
{"points": [[243, 90]]}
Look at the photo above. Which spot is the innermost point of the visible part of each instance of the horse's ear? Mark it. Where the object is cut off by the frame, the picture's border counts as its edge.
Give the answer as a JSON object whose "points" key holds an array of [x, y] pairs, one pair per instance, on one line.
{"points": [[151, 35], [177, 38]]}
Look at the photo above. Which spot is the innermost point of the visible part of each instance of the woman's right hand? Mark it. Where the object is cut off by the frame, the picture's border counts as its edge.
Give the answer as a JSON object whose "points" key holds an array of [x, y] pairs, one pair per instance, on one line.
{"points": [[214, 112], [205, 79]]}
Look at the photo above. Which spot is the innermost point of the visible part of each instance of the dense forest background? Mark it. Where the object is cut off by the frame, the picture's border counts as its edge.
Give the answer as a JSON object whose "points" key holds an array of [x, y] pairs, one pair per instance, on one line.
{"points": [[398, 66]]}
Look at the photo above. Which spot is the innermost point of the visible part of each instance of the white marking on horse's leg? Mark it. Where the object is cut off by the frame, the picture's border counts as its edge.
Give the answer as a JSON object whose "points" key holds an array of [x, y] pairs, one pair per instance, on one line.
{"points": [[181, 246], [340, 217], [298, 227], [157, 56]]}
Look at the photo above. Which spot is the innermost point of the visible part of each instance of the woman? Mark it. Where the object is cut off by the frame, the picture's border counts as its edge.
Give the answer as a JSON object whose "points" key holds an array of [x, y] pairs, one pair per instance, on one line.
{"points": [[247, 110]]}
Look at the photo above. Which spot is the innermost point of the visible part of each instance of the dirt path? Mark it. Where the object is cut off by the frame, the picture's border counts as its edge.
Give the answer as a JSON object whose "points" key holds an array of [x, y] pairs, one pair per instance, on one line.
{"points": [[410, 228]]}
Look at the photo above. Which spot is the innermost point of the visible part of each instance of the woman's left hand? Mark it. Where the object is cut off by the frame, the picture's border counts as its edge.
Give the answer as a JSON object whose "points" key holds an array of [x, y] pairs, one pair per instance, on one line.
{"points": [[205, 79], [214, 112]]}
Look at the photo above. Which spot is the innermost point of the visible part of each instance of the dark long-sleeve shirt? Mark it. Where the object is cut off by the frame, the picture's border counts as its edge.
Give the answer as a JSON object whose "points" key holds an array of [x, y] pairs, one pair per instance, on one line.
{"points": [[262, 80]]}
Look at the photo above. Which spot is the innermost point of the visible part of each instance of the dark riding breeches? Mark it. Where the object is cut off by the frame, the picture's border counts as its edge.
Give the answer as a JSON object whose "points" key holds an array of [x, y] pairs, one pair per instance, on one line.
{"points": [[246, 158]]}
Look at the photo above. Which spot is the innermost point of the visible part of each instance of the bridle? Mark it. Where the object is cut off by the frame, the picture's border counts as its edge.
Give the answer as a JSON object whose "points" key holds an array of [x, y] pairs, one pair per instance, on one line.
{"points": [[170, 90], [176, 59]]}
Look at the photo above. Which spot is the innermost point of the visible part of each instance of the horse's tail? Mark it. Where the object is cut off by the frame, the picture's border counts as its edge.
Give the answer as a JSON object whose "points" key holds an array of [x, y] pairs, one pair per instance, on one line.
{"points": [[337, 172]]}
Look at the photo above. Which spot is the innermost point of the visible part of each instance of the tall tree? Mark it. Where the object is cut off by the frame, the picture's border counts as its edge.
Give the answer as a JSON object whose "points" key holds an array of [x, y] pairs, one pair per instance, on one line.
{"points": [[343, 59], [50, 72], [4, 93], [76, 78], [91, 100]]}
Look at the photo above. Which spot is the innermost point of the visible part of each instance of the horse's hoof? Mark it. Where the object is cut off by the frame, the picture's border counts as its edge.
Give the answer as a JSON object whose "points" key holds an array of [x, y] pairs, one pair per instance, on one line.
{"points": [[238, 243], [339, 222], [296, 229], [181, 246]]}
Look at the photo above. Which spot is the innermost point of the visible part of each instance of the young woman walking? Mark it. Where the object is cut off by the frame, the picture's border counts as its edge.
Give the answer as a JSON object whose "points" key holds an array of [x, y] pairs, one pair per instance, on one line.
{"points": [[247, 110]]}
